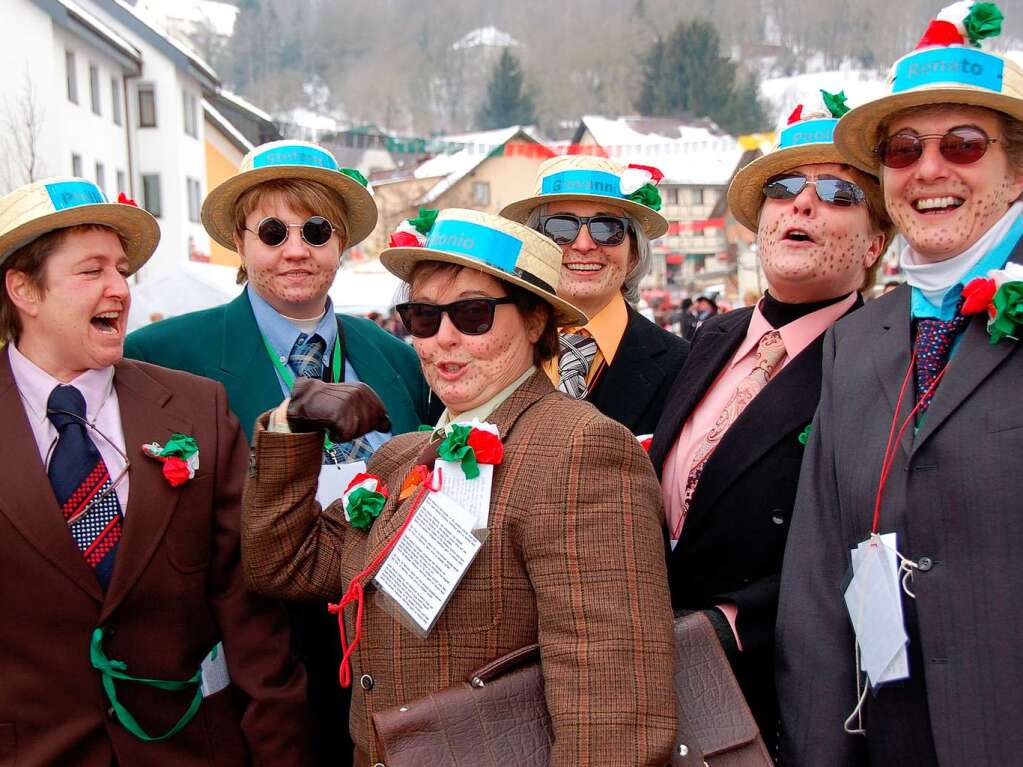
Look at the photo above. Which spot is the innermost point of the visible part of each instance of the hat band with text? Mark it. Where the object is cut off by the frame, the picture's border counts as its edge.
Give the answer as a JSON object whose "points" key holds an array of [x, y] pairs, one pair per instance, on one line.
{"points": [[294, 155], [583, 182], [72, 194], [808, 132], [954, 65]]}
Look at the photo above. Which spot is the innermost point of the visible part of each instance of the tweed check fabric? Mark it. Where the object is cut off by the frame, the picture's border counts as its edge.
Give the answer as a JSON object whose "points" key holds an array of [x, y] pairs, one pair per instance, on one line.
{"points": [[574, 561], [770, 350], [82, 485], [931, 352], [306, 361], [577, 353]]}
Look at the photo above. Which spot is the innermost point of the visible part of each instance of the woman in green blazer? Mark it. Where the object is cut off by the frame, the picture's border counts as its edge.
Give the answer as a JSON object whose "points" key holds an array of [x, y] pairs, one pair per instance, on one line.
{"points": [[290, 212]]}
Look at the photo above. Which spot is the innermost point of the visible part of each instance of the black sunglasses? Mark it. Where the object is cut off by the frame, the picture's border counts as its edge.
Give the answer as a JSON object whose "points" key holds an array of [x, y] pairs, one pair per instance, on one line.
{"points": [[316, 231], [563, 228], [962, 145], [472, 316], [834, 191]]}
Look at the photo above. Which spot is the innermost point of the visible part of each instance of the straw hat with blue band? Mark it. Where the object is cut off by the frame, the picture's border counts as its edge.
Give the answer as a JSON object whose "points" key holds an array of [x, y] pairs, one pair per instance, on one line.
{"points": [[504, 249], [947, 68], [31, 211], [596, 179], [807, 139], [283, 160]]}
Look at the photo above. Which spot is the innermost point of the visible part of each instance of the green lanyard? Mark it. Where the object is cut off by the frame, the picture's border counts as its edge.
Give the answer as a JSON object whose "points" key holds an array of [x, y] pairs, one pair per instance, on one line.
{"points": [[289, 378], [116, 669]]}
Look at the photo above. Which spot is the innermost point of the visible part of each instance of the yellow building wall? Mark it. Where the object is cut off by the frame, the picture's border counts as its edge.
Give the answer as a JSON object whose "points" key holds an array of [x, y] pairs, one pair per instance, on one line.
{"points": [[219, 167]]}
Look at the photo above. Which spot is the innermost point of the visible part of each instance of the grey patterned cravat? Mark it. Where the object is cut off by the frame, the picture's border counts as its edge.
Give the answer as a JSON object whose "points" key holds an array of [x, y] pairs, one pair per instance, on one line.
{"points": [[577, 353]]}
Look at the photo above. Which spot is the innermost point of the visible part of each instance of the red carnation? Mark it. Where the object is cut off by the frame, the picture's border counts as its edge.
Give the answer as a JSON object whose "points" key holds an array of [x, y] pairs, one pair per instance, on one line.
{"points": [[361, 477], [655, 173], [486, 445], [940, 33], [978, 295], [645, 441], [126, 200], [175, 470], [404, 240]]}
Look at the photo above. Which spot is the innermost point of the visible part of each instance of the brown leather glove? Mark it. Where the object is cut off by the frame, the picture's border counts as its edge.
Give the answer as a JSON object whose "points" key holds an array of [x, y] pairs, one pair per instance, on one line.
{"points": [[344, 410]]}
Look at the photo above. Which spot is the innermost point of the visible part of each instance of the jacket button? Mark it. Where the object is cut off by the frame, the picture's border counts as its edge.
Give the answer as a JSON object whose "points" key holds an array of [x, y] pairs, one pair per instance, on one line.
{"points": [[778, 518], [366, 682], [379, 764], [924, 564]]}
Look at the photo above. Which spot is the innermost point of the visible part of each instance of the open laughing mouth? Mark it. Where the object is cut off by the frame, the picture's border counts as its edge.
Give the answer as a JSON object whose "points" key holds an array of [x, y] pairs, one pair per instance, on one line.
{"points": [[579, 266], [108, 323], [797, 235], [931, 205]]}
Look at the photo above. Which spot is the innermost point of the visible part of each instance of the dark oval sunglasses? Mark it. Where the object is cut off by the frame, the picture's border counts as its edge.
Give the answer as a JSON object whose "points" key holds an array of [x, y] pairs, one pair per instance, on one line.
{"points": [[563, 228], [963, 145], [834, 191], [471, 316], [316, 231]]}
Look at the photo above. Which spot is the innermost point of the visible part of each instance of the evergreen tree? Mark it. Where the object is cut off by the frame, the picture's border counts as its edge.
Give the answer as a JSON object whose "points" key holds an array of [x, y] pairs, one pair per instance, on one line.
{"points": [[686, 72], [508, 100]]}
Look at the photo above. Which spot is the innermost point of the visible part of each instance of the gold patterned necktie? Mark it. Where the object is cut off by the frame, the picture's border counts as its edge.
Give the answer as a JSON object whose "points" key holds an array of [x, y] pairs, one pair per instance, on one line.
{"points": [[770, 351]]}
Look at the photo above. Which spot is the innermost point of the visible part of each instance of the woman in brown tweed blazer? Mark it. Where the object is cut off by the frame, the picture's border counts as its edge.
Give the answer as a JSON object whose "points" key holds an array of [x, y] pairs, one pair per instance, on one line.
{"points": [[574, 558]]}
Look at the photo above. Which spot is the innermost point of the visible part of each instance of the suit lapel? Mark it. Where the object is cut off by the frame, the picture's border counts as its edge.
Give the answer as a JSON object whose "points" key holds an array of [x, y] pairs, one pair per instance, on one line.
{"points": [[28, 502], [892, 352], [151, 499], [630, 382], [246, 370], [716, 344]]}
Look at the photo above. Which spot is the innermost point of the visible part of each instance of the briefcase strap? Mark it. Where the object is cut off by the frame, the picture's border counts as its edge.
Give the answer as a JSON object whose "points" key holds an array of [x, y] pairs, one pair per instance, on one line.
{"points": [[504, 664]]}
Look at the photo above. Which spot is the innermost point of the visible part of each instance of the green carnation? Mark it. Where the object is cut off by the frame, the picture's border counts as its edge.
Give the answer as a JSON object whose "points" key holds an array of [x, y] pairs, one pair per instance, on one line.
{"points": [[1008, 317], [647, 195], [364, 506], [353, 174], [835, 102], [456, 448], [983, 21], [424, 221]]}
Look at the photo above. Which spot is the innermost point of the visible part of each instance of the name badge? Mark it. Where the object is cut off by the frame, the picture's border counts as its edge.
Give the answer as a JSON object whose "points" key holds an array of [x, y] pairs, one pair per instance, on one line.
{"points": [[428, 562], [334, 479], [874, 602]]}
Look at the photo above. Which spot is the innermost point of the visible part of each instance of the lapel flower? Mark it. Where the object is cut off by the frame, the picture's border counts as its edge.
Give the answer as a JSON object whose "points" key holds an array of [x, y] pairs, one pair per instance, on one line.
{"points": [[471, 444], [413, 479], [364, 499], [645, 440], [1000, 294], [180, 457], [804, 435]]}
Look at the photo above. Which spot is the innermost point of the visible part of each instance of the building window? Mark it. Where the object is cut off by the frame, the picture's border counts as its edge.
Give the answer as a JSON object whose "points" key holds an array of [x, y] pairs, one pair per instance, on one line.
{"points": [[94, 88], [697, 197], [101, 177], [122, 185], [191, 114], [72, 76], [480, 193], [147, 106], [194, 199], [151, 194], [115, 100], [672, 195], [76, 165]]}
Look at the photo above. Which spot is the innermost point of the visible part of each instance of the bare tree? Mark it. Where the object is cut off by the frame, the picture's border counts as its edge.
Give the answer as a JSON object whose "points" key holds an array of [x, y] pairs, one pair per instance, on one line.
{"points": [[23, 117]]}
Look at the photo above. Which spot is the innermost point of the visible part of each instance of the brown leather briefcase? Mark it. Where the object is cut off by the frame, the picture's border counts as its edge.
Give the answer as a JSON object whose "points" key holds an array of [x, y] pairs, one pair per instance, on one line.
{"points": [[499, 717]]}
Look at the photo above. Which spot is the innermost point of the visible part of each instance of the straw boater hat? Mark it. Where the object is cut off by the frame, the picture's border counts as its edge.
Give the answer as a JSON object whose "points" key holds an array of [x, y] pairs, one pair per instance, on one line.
{"points": [[805, 140], [632, 188], [947, 67], [31, 211], [491, 244], [282, 160]]}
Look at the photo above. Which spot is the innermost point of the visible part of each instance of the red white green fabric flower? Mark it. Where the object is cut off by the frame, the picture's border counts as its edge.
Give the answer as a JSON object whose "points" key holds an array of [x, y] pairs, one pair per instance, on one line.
{"points": [[1000, 296], [180, 457], [471, 444], [639, 184], [834, 105], [963, 23], [412, 232], [364, 499]]}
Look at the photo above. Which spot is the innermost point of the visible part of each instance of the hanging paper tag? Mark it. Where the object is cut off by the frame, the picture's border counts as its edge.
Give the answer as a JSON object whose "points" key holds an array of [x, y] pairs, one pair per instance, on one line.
{"points": [[473, 495], [214, 677], [334, 478], [874, 602], [428, 562]]}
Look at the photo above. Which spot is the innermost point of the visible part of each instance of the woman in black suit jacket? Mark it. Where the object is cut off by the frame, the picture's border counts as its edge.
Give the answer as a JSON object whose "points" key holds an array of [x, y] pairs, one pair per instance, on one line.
{"points": [[748, 392]]}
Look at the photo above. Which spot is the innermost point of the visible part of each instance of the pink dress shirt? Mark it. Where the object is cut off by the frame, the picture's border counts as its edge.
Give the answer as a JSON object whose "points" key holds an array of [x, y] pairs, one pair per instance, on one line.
{"points": [[796, 336], [101, 409]]}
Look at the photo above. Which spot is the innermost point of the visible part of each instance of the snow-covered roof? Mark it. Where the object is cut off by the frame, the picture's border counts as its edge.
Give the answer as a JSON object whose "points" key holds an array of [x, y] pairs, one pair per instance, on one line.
{"points": [[782, 94], [244, 104], [227, 127], [485, 36], [686, 153], [452, 168], [102, 29], [148, 24], [308, 124], [220, 17]]}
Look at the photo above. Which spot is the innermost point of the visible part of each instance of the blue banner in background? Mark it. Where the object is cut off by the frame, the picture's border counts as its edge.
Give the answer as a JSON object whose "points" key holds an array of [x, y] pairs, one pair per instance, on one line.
{"points": [[961, 66], [491, 246], [71, 194]]}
